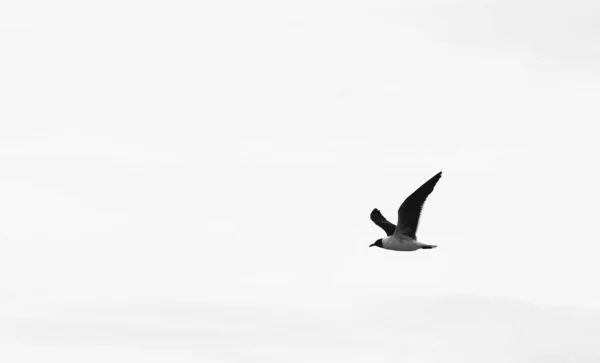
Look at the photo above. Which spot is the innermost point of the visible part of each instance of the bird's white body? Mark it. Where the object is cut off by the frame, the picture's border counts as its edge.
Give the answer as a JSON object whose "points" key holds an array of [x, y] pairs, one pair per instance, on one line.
{"points": [[403, 244]]}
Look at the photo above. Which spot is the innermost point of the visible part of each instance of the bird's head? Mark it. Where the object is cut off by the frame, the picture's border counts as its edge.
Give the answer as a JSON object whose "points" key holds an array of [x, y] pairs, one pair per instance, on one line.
{"points": [[377, 243]]}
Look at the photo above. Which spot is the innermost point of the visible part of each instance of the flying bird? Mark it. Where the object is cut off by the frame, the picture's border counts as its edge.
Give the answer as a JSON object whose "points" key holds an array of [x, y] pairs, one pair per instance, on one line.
{"points": [[403, 237]]}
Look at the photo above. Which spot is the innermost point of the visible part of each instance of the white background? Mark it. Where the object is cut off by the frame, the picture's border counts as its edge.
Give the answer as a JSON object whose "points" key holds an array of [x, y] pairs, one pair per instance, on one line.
{"points": [[167, 162]]}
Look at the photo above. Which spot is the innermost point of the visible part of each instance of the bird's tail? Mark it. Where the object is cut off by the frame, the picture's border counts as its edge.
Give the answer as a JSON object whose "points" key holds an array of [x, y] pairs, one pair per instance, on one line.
{"points": [[428, 247]]}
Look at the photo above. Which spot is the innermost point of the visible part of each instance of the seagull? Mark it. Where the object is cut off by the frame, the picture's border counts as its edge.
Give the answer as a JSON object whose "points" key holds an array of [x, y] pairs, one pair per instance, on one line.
{"points": [[403, 237]]}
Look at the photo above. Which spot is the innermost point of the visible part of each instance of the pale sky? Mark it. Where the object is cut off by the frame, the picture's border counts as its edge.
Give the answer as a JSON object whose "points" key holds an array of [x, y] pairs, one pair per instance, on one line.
{"points": [[230, 152]]}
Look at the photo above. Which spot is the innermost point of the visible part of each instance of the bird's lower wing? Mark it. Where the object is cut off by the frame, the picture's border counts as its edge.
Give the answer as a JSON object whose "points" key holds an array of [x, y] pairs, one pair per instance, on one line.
{"points": [[380, 220]]}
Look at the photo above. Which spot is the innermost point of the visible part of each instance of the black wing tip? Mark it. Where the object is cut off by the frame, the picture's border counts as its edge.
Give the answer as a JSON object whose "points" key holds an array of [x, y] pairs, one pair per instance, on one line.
{"points": [[375, 213], [436, 177]]}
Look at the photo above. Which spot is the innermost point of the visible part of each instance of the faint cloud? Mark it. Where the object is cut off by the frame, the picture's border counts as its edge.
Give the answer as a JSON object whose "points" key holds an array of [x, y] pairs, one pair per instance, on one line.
{"points": [[559, 30], [14, 15], [437, 329]]}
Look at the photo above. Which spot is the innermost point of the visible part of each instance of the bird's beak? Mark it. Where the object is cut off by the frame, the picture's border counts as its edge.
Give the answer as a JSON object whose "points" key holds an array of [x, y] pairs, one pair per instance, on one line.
{"points": [[372, 245]]}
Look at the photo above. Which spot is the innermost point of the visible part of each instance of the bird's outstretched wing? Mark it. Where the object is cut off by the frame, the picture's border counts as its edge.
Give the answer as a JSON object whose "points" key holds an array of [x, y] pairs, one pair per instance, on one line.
{"points": [[410, 210], [380, 220]]}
